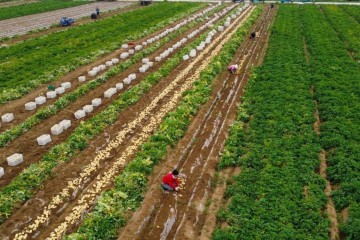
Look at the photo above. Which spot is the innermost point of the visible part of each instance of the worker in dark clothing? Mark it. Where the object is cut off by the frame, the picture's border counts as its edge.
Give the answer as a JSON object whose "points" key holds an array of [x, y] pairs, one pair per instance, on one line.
{"points": [[272, 5], [252, 35], [170, 181], [97, 11]]}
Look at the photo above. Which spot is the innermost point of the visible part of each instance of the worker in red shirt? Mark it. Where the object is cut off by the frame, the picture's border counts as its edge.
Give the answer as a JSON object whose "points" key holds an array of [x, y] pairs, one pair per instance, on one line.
{"points": [[170, 181]]}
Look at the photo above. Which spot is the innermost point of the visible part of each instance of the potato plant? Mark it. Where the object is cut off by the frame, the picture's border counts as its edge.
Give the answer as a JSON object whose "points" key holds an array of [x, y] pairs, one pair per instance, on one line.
{"points": [[336, 81], [274, 143], [346, 27]]}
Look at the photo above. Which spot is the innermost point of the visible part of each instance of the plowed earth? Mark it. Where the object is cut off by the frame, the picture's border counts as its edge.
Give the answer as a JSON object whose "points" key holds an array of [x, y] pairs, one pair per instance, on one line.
{"points": [[186, 214]]}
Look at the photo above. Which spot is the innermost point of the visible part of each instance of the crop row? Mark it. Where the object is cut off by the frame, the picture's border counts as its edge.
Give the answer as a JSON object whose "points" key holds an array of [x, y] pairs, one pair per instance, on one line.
{"points": [[278, 194], [64, 101], [354, 12], [336, 79], [36, 174], [21, 74], [63, 195], [37, 7], [347, 28], [113, 206]]}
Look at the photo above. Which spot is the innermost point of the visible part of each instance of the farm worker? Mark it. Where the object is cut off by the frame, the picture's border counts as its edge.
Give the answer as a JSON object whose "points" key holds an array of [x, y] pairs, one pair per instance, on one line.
{"points": [[170, 181], [233, 68], [97, 11], [252, 35]]}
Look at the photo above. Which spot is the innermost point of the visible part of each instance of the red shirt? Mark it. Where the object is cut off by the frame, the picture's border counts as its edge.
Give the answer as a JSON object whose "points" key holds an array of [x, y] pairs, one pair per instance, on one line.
{"points": [[170, 180]]}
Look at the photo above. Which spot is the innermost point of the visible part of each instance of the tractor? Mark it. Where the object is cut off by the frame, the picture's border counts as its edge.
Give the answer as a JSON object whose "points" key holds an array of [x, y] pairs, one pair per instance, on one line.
{"points": [[65, 21]]}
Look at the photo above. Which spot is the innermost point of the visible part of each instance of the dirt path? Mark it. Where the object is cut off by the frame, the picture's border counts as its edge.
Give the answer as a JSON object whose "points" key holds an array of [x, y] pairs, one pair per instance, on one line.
{"points": [[21, 25], [91, 172], [330, 207], [78, 22], [27, 144], [185, 215]]}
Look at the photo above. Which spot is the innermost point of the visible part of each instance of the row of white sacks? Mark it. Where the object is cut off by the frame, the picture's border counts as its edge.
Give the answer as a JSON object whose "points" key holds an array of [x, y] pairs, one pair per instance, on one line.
{"points": [[208, 39], [124, 55], [17, 158], [12, 161], [147, 64], [55, 130], [49, 95]]}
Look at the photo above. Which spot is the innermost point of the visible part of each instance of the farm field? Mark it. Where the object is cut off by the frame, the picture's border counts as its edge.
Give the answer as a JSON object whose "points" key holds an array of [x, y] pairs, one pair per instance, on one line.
{"points": [[295, 135], [36, 7], [18, 26], [108, 116], [270, 152], [78, 51]]}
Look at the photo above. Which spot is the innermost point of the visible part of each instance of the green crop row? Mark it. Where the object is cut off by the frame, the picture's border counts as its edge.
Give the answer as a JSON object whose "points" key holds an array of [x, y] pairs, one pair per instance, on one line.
{"points": [[64, 101], [22, 187], [28, 64], [354, 12], [114, 205], [278, 193], [336, 80], [346, 27], [37, 7]]}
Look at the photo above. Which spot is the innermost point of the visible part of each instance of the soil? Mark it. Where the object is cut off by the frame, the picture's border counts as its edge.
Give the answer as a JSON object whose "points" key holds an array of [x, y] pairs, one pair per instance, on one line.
{"points": [[330, 207], [68, 171], [26, 144], [185, 215]]}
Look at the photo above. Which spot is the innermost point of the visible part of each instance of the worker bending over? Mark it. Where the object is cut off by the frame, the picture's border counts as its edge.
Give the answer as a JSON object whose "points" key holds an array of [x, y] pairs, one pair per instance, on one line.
{"points": [[252, 35], [232, 68], [170, 181]]}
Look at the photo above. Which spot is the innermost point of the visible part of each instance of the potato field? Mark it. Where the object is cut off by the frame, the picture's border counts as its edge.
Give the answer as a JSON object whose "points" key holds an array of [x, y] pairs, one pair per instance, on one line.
{"points": [[94, 115]]}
